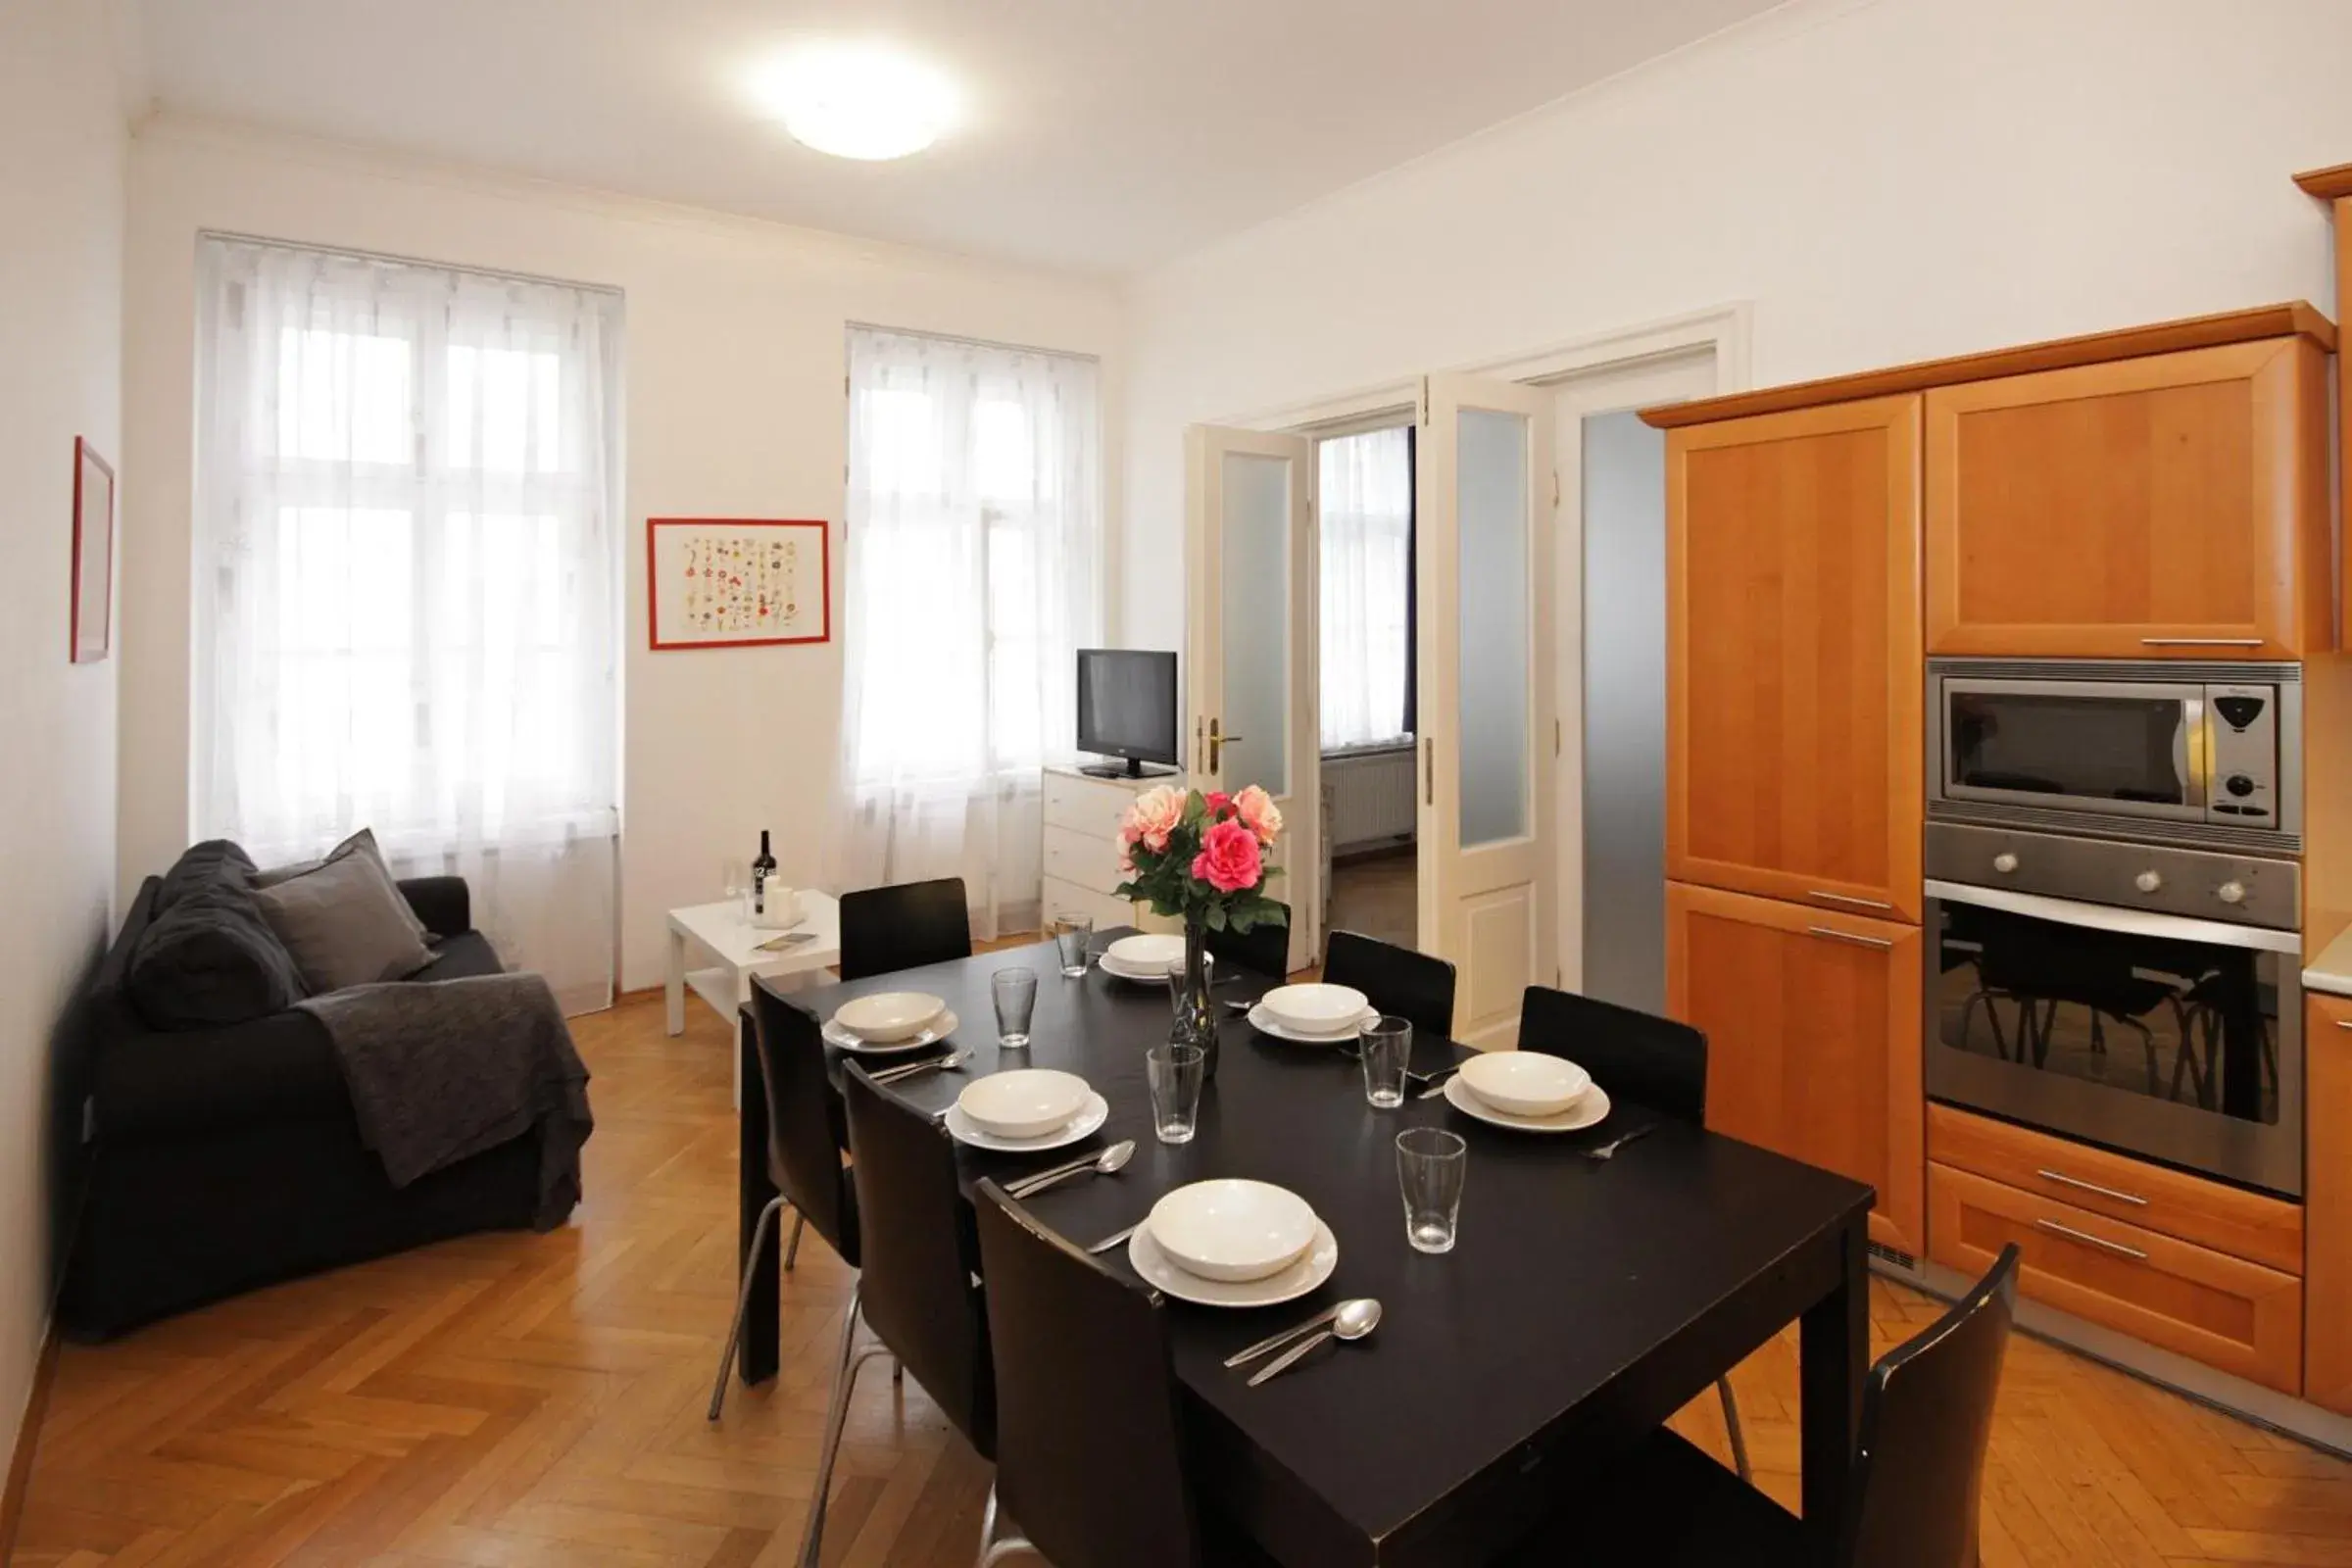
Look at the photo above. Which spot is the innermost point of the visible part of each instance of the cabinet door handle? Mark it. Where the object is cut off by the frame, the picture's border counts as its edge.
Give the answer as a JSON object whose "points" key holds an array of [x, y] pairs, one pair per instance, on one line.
{"points": [[2084, 1236], [2200, 642], [1881, 943], [2080, 1185], [2344, 1023], [1848, 897]]}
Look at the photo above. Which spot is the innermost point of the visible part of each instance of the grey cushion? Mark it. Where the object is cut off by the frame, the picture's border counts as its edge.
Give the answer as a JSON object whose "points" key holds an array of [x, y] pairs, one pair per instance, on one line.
{"points": [[345, 922], [361, 843], [208, 956]]}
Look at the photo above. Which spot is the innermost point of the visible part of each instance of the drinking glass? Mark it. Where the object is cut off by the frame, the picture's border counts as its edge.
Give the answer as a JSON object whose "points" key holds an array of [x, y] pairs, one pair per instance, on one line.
{"points": [[1386, 1044], [1429, 1162], [1015, 993], [1071, 934], [1175, 1073]]}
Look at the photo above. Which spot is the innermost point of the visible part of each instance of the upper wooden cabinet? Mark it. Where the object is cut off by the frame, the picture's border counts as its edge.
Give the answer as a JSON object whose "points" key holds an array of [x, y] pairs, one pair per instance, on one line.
{"points": [[2173, 506], [1793, 684]]}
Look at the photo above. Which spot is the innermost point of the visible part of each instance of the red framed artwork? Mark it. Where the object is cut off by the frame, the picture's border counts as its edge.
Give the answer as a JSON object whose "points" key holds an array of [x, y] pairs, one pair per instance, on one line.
{"points": [[737, 582], [92, 633]]}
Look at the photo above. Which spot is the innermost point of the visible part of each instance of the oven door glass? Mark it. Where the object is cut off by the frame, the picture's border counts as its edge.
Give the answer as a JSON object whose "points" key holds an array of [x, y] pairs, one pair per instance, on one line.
{"points": [[2043, 741]]}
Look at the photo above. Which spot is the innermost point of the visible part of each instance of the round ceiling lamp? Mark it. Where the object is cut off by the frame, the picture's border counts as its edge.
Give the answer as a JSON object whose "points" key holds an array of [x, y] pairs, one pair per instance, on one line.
{"points": [[863, 101]]}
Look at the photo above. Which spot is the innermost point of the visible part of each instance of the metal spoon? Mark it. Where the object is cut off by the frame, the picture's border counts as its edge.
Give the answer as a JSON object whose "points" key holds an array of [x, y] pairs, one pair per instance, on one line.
{"points": [[915, 1069], [1108, 1164], [1353, 1320]]}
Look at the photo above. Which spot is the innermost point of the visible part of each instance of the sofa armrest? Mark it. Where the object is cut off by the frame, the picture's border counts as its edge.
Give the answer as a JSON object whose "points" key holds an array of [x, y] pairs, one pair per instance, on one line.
{"points": [[442, 903], [196, 1082]]}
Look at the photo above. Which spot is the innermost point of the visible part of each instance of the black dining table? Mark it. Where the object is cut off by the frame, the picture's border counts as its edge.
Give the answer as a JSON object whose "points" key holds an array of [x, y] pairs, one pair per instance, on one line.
{"points": [[1584, 1302]]}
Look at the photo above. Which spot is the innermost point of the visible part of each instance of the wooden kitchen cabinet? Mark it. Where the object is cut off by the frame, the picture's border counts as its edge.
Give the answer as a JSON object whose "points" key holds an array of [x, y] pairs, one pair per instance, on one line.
{"points": [[1813, 1038], [2168, 506], [2327, 1201], [1793, 680]]}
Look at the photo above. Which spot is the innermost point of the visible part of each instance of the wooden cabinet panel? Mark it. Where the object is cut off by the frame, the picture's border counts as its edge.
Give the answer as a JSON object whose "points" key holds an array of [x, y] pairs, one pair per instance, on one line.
{"points": [[2171, 505], [1813, 1038], [2231, 1314], [2328, 1200], [2228, 1219], [1793, 681]]}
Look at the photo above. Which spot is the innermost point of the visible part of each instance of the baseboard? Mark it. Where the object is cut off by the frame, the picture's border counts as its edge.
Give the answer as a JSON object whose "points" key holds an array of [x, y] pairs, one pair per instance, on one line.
{"points": [[29, 1439]]}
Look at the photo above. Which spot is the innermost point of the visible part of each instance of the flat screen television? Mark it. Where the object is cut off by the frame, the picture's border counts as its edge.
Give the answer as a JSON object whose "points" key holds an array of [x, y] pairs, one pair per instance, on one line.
{"points": [[1127, 709]]}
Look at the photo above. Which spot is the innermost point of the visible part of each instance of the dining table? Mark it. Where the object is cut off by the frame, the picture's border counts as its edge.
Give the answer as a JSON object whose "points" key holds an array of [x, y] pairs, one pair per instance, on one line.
{"points": [[1584, 1301]]}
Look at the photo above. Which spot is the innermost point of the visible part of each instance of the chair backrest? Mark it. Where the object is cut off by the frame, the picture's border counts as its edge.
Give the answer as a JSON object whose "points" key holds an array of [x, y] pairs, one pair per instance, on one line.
{"points": [[1397, 980], [805, 1133], [920, 1253], [904, 927], [1265, 950], [1926, 1415], [1090, 1455], [1634, 1056]]}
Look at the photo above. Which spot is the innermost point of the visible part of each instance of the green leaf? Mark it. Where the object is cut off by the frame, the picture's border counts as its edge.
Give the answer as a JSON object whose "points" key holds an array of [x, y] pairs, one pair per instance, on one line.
{"points": [[1214, 917]]}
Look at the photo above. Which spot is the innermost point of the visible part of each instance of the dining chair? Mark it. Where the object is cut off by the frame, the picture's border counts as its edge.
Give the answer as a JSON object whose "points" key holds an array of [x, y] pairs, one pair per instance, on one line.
{"points": [[1264, 951], [904, 927], [1916, 1483], [805, 1136], [1395, 980], [1656, 1062], [1090, 1434]]}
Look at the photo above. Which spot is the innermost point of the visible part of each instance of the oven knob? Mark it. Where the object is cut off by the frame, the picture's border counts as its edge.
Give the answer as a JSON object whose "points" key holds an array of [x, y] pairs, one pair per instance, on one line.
{"points": [[2004, 862], [2238, 784], [2148, 881], [2231, 893]]}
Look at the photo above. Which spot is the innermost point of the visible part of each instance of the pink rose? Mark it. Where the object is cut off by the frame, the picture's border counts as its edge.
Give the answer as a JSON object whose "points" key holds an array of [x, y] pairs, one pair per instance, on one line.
{"points": [[1218, 801], [1152, 819], [1260, 813], [1229, 858]]}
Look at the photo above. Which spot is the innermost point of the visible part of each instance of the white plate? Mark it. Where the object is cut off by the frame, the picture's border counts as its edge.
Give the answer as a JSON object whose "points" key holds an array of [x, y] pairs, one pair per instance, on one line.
{"points": [[1525, 1083], [1090, 1121], [886, 1017], [1142, 977], [1308, 1273], [1232, 1230], [1587, 1111], [842, 1040], [1265, 1023], [1316, 1010], [1026, 1103], [1152, 952]]}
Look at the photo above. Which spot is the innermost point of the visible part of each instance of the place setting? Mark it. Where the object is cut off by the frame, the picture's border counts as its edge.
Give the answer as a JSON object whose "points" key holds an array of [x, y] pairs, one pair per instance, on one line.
{"points": [[1315, 1014], [1146, 959]]}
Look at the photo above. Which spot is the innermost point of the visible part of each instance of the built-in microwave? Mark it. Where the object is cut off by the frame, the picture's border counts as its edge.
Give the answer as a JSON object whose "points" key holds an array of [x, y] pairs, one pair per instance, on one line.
{"points": [[2200, 753]]}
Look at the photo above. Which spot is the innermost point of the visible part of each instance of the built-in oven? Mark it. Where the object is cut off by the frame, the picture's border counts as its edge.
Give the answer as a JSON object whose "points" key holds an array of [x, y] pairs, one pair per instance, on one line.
{"points": [[2142, 997], [2191, 754]]}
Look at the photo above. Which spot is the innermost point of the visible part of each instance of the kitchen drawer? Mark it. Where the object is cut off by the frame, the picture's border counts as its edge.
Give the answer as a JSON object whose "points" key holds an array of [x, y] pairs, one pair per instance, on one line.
{"points": [[2262, 1230], [1088, 862], [2231, 1316], [1088, 808]]}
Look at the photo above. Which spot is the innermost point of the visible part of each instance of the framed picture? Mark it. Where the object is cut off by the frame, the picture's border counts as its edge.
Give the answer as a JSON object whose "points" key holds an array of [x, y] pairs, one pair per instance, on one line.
{"points": [[733, 582], [93, 555]]}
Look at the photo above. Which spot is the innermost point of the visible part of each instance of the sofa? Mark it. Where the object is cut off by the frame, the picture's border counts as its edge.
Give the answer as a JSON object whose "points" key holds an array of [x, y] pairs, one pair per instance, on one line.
{"points": [[226, 1153]]}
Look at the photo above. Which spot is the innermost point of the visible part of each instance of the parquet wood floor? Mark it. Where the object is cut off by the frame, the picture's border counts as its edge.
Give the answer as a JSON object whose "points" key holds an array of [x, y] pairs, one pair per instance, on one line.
{"points": [[510, 1400]]}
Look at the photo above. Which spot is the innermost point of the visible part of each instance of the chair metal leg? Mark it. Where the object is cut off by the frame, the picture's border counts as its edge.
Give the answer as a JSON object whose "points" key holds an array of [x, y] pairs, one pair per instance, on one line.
{"points": [[742, 1302], [845, 1383], [1730, 1423], [792, 1249], [990, 1549]]}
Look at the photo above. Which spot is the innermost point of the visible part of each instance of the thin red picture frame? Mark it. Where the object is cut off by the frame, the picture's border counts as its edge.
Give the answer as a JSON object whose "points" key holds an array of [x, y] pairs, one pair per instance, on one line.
{"points": [[86, 457], [653, 584]]}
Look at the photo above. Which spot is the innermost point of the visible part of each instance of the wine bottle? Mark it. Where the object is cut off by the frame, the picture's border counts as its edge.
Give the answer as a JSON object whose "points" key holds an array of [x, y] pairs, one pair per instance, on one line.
{"points": [[762, 868]]}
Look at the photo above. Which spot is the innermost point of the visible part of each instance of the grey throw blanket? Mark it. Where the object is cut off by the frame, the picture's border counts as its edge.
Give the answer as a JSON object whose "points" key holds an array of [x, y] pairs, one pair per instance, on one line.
{"points": [[443, 1069]]}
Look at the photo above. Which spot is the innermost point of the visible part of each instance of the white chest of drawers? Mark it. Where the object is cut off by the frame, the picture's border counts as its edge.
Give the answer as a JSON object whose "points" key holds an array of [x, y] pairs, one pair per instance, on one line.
{"points": [[1081, 849]]}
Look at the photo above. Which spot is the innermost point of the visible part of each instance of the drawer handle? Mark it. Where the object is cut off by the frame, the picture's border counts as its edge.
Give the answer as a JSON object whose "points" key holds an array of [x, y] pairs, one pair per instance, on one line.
{"points": [[2344, 1023], [1848, 897], [2099, 1241], [1881, 943], [2200, 642], [2080, 1185]]}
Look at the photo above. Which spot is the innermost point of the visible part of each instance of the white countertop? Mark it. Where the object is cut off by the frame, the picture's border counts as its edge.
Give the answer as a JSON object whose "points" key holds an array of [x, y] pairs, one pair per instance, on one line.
{"points": [[2331, 970]]}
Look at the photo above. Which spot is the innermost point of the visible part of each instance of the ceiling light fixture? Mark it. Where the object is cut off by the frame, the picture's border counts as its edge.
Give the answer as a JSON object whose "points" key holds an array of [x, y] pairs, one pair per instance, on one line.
{"points": [[863, 101]]}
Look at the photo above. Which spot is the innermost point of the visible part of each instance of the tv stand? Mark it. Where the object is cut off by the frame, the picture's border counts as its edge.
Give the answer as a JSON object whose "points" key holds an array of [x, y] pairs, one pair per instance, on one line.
{"points": [[1130, 769]]}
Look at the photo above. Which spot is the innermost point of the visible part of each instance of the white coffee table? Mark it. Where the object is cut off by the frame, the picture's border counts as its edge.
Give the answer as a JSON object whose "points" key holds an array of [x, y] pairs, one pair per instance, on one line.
{"points": [[720, 931]]}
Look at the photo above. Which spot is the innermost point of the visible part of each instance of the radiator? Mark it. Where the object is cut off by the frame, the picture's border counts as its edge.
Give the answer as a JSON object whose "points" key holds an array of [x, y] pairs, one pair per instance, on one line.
{"points": [[1371, 797]]}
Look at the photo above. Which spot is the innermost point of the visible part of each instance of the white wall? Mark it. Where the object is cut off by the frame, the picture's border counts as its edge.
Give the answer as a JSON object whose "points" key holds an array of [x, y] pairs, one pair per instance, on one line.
{"points": [[1886, 181], [62, 152], [735, 408]]}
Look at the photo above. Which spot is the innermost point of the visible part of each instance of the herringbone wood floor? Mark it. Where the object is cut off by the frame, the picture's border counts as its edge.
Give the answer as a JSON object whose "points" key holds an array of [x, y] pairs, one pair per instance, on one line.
{"points": [[508, 1400]]}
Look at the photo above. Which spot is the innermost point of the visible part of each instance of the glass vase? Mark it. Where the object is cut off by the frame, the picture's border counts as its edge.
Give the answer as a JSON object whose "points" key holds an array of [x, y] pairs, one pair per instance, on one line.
{"points": [[1195, 1022]]}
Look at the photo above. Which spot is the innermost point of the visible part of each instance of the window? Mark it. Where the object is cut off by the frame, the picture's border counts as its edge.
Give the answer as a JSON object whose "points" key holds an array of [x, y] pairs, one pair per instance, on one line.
{"points": [[975, 542], [407, 597], [1364, 493]]}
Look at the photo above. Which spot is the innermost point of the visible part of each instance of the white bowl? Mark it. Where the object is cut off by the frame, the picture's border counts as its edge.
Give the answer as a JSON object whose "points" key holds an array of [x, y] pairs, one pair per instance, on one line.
{"points": [[1028, 1103], [1317, 1009], [1149, 953], [1231, 1230], [889, 1015], [1525, 1083]]}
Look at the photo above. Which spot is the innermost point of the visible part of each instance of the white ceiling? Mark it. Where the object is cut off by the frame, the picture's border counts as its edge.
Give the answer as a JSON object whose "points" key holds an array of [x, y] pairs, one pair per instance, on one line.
{"points": [[1104, 135]]}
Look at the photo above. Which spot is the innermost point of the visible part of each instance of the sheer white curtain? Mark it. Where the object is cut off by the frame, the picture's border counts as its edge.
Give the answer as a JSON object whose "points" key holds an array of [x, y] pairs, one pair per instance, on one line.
{"points": [[975, 551], [406, 511], [1364, 502]]}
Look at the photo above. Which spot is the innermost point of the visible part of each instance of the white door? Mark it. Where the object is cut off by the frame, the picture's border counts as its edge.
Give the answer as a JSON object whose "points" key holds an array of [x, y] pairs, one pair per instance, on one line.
{"points": [[1250, 642], [1486, 677]]}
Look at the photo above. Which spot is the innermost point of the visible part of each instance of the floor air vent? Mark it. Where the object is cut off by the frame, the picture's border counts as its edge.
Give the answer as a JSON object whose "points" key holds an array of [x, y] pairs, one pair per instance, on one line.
{"points": [[1892, 1258]]}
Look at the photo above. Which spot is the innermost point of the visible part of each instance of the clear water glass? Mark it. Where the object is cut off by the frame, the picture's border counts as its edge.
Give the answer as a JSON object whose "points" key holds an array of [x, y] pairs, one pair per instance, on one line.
{"points": [[1385, 1046], [1175, 1073], [1015, 993], [1429, 1162], [1072, 933]]}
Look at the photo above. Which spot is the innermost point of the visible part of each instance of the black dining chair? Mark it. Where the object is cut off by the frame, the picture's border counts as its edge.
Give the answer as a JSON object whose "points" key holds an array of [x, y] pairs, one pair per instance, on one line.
{"points": [[1656, 1062], [1915, 1491], [805, 1136], [1264, 951], [1395, 980], [1090, 1433], [904, 927]]}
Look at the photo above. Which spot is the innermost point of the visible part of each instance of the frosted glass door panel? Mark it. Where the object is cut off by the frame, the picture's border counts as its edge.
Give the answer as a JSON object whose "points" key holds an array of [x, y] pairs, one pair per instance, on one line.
{"points": [[1492, 499], [1257, 591]]}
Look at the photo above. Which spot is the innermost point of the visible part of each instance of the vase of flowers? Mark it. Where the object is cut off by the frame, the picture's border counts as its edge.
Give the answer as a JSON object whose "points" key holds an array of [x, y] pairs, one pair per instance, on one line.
{"points": [[1200, 859]]}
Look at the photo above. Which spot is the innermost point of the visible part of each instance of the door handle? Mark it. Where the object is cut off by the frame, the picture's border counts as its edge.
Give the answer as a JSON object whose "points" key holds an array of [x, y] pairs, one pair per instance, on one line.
{"points": [[1429, 770], [1880, 943], [2200, 642], [2088, 1240], [1848, 897]]}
